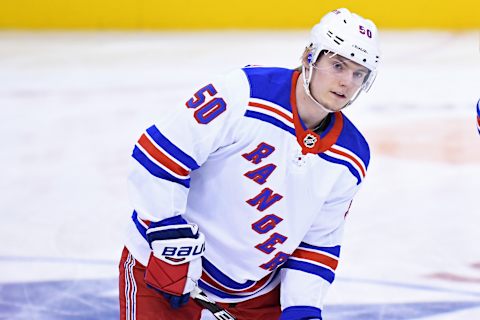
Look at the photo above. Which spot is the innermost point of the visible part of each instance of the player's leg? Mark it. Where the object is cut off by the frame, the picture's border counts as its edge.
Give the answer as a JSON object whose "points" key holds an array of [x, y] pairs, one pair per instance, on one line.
{"points": [[138, 302]]}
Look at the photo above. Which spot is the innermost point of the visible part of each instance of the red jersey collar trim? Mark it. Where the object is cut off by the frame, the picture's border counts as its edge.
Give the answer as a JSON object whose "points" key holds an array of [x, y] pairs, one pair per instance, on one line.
{"points": [[309, 141]]}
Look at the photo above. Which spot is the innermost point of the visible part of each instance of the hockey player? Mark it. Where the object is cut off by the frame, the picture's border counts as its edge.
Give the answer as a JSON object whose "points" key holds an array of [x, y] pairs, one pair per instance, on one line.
{"points": [[243, 188], [478, 116]]}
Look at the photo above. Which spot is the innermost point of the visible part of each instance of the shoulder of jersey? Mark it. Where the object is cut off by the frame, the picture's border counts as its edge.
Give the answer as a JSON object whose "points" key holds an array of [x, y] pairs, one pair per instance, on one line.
{"points": [[271, 84], [351, 149], [234, 86]]}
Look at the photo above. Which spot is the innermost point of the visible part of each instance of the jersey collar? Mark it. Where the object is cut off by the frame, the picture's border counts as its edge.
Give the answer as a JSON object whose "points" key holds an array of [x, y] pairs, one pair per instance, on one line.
{"points": [[309, 141]]}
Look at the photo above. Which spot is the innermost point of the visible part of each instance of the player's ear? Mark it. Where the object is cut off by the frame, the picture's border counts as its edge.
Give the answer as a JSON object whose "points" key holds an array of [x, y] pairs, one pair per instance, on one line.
{"points": [[306, 57]]}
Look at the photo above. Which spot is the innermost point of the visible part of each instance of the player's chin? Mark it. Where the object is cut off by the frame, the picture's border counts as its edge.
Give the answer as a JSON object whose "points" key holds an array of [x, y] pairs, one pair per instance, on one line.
{"points": [[335, 105], [338, 102]]}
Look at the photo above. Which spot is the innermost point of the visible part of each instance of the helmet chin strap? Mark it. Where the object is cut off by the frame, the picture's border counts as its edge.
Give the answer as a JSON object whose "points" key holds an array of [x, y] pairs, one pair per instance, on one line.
{"points": [[306, 86]]}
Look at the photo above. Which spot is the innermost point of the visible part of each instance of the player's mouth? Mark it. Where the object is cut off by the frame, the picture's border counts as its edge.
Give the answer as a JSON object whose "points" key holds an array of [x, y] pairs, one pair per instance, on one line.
{"points": [[339, 94]]}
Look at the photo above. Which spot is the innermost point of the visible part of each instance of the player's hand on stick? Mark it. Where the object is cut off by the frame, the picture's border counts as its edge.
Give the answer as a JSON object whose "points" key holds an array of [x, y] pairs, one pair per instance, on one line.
{"points": [[175, 264]]}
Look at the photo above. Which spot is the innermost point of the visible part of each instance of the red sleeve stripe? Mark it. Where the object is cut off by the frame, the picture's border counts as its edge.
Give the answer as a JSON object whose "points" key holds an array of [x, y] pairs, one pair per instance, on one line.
{"points": [[350, 157], [144, 223], [323, 259], [162, 159]]}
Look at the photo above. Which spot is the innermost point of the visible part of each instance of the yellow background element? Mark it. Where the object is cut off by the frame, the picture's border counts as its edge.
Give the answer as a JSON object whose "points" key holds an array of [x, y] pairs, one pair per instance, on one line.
{"points": [[225, 14]]}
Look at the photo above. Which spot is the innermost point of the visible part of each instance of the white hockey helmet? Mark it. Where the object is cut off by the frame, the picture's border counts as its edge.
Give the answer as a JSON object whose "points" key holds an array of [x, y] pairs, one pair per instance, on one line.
{"points": [[349, 35]]}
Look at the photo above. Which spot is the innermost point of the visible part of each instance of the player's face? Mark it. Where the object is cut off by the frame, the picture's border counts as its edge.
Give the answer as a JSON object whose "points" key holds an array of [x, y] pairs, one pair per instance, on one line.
{"points": [[335, 80]]}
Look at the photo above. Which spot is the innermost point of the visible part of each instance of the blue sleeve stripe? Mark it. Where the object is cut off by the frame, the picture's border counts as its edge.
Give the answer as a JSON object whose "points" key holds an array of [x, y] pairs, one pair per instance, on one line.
{"points": [[271, 120], [140, 227], [155, 169], [222, 278], [335, 251], [349, 166], [171, 149], [168, 222], [301, 312], [205, 286], [324, 273]]}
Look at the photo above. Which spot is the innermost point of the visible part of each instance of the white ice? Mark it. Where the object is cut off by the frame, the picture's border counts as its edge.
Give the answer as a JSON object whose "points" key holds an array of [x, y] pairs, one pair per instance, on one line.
{"points": [[73, 104]]}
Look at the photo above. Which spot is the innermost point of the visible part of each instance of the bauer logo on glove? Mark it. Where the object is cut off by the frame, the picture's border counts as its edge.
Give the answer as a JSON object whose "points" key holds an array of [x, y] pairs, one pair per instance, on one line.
{"points": [[174, 266], [176, 244], [179, 253]]}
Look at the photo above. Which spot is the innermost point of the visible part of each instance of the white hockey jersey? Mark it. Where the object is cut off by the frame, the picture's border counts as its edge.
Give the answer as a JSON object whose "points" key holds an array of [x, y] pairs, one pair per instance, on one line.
{"points": [[269, 195], [478, 116]]}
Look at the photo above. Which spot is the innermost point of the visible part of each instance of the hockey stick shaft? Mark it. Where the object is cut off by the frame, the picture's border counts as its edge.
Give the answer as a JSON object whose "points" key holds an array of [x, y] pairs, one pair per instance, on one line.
{"points": [[201, 298]]}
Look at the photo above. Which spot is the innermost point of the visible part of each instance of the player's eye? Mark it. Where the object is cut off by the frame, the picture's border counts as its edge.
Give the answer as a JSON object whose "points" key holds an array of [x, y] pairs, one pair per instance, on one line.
{"points": [[358, 75], [337, 66]]}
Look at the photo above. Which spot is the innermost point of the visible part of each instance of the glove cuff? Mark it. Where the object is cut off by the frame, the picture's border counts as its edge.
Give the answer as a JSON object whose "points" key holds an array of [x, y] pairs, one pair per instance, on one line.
{"points": [[301, 313]]}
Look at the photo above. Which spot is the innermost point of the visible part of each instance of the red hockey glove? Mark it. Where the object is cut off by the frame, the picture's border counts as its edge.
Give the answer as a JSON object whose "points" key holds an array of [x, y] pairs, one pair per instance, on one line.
{"points": [[175, 263]]}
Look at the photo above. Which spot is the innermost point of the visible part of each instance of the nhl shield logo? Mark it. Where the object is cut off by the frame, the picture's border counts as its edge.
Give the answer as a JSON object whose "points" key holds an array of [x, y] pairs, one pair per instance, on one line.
{"points": [[310, 140]]}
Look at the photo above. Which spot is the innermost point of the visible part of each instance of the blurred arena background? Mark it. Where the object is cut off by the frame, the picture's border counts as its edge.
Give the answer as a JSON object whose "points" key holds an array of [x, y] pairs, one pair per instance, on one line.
{"points": [[218, 14]]}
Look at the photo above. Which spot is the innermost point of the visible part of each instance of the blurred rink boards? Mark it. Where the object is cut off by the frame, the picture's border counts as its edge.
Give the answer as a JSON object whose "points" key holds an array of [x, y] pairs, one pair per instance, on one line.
{"points": [[220, 14]]}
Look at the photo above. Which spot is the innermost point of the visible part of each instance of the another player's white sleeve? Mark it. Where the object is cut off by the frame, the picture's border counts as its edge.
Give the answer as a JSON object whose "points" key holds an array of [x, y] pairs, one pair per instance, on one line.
{"points": [[310, 270], [180, 142], [478, 116]]}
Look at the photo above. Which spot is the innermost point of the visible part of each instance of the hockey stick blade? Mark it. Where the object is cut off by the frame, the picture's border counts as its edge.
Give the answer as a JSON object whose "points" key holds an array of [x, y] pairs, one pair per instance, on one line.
{"points": [[201, 298]]}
